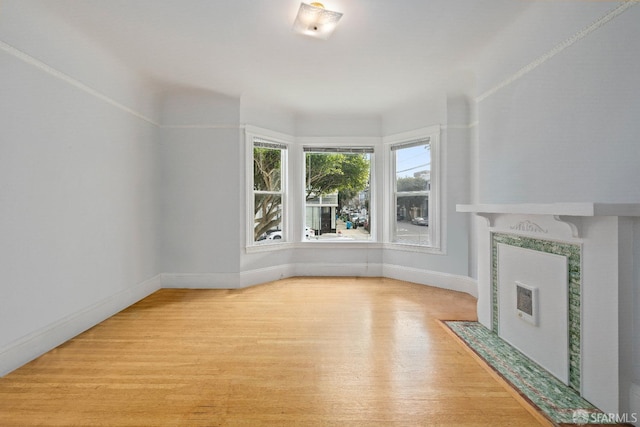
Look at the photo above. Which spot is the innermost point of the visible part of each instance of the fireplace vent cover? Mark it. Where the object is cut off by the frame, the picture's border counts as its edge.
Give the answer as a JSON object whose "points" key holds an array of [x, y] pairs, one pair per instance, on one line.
{"points": [[527, 303]]}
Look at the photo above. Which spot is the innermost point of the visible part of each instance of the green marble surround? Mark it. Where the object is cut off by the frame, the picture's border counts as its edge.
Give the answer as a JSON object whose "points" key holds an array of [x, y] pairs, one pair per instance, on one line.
{"points": [[573, 254]]}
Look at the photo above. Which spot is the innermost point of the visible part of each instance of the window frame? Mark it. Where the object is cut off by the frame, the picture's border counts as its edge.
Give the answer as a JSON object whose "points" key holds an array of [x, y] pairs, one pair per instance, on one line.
{"points": [[345, 145], [436, 219], [382, 174], [283, 142]]}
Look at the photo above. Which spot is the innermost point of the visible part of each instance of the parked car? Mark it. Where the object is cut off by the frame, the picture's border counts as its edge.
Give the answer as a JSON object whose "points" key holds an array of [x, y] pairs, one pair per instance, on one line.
{"points": [[275, 235], [361, 221], [265, 236], [420, 221]]}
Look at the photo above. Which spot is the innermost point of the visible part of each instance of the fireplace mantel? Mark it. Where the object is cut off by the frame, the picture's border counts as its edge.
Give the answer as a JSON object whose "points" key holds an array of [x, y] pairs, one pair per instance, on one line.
{"points": [[556, 209], [567, 213], [599, 242]]}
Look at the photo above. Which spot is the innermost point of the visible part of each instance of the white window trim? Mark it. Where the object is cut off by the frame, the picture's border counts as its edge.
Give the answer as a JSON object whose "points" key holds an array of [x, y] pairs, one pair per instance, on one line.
{"points": [[338, 142], [252, 132], [436, 216], [381, 169]]}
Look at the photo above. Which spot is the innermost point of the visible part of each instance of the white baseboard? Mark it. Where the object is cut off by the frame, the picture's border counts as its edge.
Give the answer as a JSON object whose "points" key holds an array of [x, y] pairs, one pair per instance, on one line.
{"points": [[432, 278], [262, 275], [200, 280], [47, 338], [337, 269], [268, 274]]}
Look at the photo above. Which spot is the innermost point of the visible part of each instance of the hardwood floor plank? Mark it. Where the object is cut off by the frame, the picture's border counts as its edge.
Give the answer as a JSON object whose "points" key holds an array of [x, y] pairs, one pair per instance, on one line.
{"points": [[301, 351]]}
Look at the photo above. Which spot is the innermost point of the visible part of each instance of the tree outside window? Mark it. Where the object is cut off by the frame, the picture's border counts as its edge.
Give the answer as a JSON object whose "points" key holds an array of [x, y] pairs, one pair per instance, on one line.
{"points": [[337, 192], [268, 190]]}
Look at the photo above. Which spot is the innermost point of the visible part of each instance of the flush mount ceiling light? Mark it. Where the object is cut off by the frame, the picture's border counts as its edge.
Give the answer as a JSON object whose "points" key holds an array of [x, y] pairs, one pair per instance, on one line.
{"points": [[316, 21]]}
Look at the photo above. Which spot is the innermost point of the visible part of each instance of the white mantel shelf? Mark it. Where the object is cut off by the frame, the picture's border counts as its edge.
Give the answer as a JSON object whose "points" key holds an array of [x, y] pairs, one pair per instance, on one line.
{"points": [[556, 209], [605, 257]]}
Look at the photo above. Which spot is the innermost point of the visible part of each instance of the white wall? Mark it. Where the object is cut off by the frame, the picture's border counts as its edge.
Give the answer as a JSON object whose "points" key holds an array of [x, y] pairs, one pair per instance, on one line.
{"points": [[203, 174], [262, 113], [337, 126], [453, 114], [78, 176], [576, 114], [199, 188], [557, 112], [28, 27], [199, 198], [112, 188]]}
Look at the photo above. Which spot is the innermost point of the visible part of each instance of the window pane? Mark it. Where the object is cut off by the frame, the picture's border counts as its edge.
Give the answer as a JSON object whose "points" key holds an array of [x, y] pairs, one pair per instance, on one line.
{"points": [[268, 218], [337, 195], [412, 219], [413, 168], [412, 185], [267, 165]]}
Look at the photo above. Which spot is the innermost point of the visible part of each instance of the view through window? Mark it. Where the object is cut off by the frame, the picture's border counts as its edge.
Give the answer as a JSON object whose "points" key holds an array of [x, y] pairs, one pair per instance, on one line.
{"points": [[337, 193], [412, 187], [268, 190]]}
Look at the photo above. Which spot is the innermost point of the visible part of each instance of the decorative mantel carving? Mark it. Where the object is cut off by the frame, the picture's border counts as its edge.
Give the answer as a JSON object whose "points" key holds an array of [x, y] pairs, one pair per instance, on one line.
{"points": [[569, 214], [572, 222], [529, 226]]}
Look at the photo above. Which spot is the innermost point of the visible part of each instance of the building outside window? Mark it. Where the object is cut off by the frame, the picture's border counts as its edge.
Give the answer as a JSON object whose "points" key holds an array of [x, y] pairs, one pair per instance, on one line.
{"points": [[337, 196], [335, 199], [414, 212]]}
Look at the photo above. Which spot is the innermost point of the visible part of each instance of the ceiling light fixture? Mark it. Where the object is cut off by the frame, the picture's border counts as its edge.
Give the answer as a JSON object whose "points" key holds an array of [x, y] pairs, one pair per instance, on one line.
{"points": [[316, 21]]}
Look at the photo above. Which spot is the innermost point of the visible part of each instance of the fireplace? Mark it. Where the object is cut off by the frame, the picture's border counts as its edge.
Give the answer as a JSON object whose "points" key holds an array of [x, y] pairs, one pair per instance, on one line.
{"points": [[553, 280], [531, 308]]}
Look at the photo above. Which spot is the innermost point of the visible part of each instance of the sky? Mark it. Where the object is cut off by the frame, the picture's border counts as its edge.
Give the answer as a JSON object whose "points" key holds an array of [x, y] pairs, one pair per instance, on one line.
{"points": [[411, 160]]}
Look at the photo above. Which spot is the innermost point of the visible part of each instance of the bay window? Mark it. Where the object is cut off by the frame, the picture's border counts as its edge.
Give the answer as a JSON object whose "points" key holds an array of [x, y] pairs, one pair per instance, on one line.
{"points": [[414, 184], [332, 196], [338, 193], [269, 191]]}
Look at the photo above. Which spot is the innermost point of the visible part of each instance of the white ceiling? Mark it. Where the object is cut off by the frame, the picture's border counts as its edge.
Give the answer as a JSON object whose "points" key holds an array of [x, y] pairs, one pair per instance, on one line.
{"points": [[382, 55]]}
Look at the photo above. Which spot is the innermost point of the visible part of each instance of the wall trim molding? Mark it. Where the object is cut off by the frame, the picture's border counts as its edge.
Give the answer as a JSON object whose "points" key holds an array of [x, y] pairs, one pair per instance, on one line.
{"points": [[50, 336], [48, 69], [72, 81], [458, 127], [204, 126], [559, 48]]}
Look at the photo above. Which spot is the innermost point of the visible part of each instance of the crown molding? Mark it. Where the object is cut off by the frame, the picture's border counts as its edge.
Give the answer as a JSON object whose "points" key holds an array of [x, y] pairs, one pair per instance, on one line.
{"points": [[559, 48]]}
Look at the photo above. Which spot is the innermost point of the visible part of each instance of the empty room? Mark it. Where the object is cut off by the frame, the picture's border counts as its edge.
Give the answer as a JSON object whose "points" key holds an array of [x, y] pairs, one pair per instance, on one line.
{"points": [[343, 213]]}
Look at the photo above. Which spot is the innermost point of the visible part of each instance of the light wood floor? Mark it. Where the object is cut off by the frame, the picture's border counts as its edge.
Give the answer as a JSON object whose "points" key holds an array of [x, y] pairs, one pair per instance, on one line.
{"points": [[301, 351]]}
